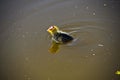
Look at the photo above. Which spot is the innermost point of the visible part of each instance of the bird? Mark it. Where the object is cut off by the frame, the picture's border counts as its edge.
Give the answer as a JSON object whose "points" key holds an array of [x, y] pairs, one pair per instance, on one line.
{"points": [[59, 36]]}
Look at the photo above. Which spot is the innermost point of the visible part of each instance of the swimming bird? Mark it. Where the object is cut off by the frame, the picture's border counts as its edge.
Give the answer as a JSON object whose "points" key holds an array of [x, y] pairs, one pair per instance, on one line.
{"points": [[59, 36]]}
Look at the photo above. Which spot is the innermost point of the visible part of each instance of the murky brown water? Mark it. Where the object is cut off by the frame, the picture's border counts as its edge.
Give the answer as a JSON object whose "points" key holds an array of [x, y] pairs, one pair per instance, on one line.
{"points": [[24, 42]]}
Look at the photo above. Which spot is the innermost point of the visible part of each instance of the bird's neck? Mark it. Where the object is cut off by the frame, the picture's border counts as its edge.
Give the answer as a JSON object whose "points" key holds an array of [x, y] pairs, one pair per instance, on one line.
{"points": [[54, 33]]}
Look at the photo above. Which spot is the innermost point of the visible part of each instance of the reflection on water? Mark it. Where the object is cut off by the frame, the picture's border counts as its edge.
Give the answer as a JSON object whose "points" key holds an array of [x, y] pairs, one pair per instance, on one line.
{"points": [[24, 42], [54, 47]]}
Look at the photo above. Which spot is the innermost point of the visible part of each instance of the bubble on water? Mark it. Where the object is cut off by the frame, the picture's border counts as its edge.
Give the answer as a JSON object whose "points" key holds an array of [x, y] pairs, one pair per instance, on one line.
{"points": [[92, 50], [27, 58], [35, 32], [105, 4], [23, 36], [76, 6], [100, 45], [93, 54], [26, 32], [87, 7], [94, 13]]}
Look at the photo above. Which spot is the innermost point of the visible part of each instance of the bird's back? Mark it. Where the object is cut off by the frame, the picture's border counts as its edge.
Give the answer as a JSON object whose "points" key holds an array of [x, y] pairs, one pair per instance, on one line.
{"points": [[62, 38]]}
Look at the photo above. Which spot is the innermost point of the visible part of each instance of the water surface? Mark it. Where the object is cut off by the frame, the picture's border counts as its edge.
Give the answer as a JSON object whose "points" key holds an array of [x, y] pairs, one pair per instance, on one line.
{"points": [[24, 41]]}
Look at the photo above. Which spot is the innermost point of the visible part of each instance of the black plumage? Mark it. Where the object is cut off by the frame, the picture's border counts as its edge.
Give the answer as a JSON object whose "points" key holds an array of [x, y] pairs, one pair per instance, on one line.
{"points": [[62, 38]]}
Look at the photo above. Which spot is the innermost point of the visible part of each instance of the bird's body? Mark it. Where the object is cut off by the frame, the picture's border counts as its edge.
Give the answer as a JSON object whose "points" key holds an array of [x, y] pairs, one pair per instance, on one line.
{"points": [[62, 38], [59, 36]]}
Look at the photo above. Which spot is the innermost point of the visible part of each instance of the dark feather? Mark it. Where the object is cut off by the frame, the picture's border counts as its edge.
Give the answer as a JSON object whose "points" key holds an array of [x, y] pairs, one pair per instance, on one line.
{"points": [[62, 37]]}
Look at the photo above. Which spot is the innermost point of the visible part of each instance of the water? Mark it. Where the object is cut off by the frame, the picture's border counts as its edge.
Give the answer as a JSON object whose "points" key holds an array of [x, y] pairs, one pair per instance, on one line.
{"points": [[25, 43]]}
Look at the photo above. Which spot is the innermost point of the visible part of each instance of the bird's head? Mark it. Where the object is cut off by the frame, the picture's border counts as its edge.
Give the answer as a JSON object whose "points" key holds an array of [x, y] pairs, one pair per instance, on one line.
{"points": [[53, 29]]}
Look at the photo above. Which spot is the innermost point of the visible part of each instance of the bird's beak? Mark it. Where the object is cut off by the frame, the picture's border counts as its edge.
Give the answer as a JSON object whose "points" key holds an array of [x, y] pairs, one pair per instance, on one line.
{"points": [[49, 31]]}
